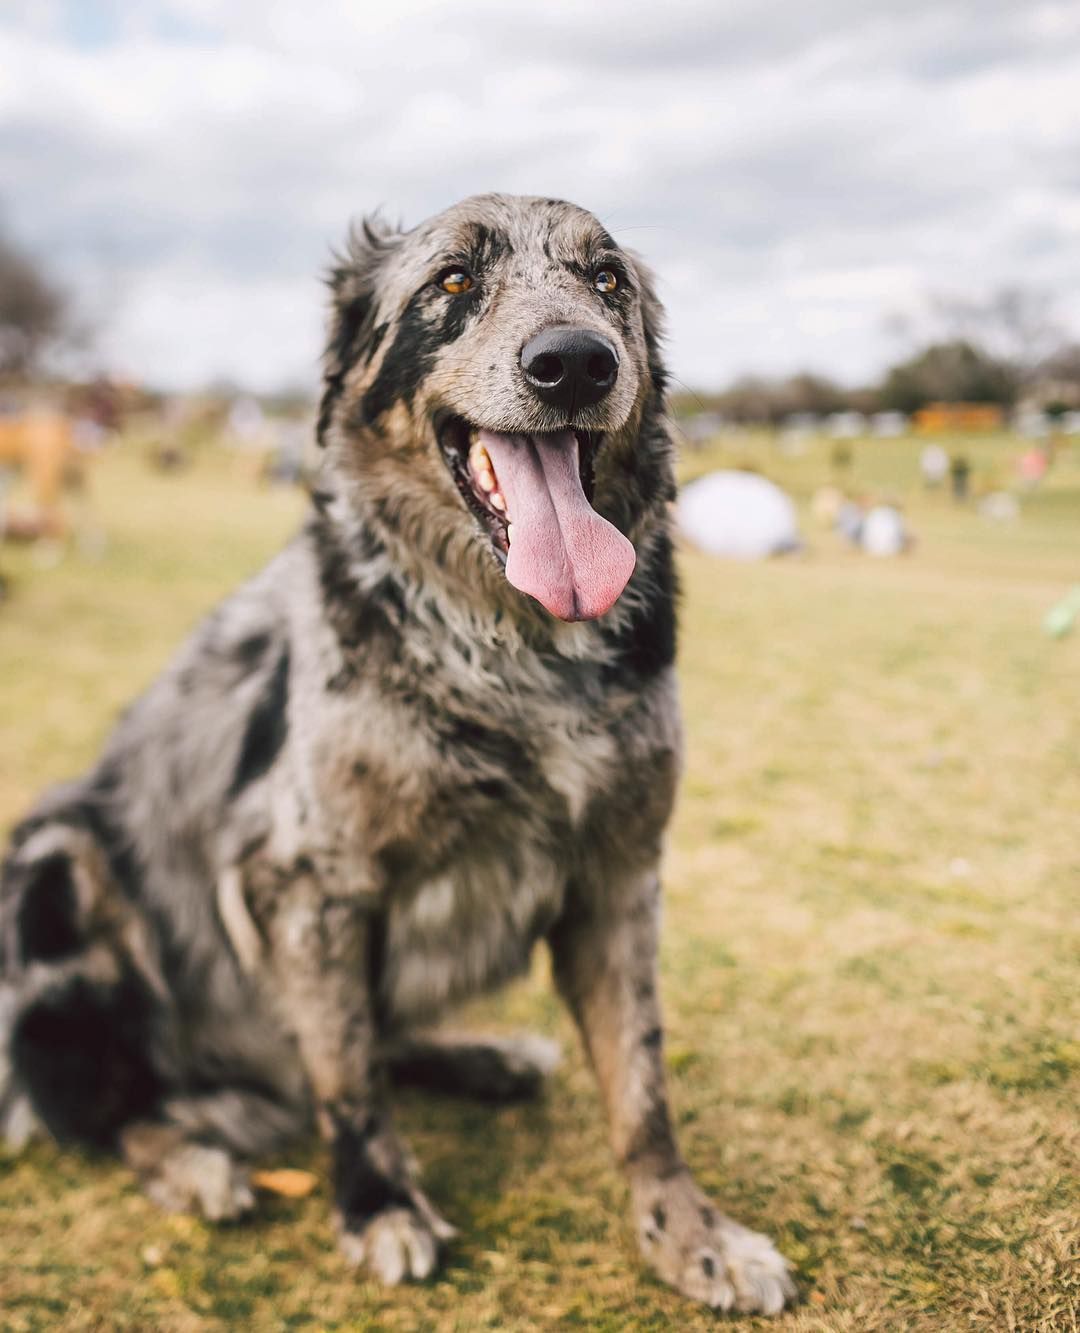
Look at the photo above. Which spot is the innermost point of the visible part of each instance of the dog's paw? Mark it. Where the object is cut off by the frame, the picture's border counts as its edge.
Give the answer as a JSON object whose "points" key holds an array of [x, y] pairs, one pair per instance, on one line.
{"points": [[706, 1255], [19, 1125], [396, 1244], [193, 1178]]}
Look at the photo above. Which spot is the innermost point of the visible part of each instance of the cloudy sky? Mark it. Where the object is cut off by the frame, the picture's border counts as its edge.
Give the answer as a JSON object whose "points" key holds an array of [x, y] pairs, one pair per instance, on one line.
{"points": [[796, 172]]}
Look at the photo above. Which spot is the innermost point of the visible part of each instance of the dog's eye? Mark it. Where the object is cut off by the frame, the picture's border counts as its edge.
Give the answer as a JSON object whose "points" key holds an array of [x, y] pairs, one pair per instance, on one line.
{"points": [[605, 281], [455, 281]]}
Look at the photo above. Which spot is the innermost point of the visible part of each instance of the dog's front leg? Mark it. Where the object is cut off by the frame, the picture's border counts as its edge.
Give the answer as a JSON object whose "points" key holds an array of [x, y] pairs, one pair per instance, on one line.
{"points": [[604, 952], [320, 966]]}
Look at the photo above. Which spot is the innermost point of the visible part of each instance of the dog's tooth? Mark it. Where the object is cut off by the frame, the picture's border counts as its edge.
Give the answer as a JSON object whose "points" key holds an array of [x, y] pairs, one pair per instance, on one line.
{"points": [[495, 499], [486, 481], [478, 457], [509, 533]]}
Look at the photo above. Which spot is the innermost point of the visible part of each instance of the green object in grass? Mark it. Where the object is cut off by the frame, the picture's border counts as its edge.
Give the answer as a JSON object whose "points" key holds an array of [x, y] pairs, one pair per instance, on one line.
{"points": [[1062, 617]]}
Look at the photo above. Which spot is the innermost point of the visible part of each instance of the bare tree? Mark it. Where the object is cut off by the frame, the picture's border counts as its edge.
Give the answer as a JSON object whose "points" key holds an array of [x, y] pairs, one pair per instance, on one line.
{"points": [[35, 312], [1064, 365], [1015, 325]]}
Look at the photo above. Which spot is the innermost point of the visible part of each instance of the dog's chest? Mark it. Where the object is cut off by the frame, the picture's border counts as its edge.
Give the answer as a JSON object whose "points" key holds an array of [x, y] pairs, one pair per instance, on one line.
{"points": [[469, 921], [458, 796]]}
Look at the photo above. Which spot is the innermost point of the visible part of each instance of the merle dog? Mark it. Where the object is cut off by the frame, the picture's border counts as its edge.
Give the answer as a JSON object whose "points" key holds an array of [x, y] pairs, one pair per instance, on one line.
{"points": [[439, 727]]}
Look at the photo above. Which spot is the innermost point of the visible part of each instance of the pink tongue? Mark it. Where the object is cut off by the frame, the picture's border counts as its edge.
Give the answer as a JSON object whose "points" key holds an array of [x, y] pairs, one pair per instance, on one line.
{"points": [[573, 562]]}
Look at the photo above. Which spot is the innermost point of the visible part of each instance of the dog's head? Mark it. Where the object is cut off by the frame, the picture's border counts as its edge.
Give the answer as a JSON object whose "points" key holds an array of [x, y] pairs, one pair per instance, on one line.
{"points": [[493, 394]]}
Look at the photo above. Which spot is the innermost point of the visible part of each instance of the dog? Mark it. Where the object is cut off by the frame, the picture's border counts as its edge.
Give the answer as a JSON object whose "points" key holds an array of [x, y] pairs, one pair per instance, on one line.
{"points": [[437, 729]]}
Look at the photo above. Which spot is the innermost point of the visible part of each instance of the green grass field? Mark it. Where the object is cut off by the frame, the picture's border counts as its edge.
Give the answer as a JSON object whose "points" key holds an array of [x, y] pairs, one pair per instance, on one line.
{"points": [[871, 951]]}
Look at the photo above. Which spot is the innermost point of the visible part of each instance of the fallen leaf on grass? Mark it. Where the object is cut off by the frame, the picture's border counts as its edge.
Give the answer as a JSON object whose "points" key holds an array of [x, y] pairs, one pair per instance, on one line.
{"points": [[289, 1181]]}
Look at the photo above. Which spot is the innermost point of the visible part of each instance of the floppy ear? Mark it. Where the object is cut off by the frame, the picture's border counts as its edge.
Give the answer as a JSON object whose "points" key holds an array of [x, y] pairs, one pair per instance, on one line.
{"points": [[653, 322], [352, 282]]}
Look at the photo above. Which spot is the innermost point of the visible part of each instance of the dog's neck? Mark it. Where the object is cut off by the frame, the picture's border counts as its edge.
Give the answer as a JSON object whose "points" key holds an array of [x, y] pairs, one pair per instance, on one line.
{"points": [[367, 569]]}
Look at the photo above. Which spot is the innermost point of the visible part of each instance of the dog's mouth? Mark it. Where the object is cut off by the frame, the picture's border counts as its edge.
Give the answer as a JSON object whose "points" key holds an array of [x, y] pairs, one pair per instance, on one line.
{"points": [[531, 494]]}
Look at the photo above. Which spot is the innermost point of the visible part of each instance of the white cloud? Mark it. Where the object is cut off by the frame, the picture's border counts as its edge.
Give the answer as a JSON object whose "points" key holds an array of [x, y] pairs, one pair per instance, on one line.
{"points": [[794, 172]]}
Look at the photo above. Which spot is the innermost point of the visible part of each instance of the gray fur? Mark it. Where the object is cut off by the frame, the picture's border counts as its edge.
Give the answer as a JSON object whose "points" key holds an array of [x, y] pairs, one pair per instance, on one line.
{"points": [[378, 775]]}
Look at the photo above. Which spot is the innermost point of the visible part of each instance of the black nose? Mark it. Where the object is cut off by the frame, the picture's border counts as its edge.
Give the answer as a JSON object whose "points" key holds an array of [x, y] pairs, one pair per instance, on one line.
{"points": [[568, 367]]}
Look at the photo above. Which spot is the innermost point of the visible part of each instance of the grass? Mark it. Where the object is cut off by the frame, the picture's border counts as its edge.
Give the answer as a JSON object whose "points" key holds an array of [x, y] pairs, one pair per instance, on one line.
{"points": [[870, 959]]}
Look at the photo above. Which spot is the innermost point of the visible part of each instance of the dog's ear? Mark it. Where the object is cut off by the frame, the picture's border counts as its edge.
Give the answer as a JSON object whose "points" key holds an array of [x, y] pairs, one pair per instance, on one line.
{"points": [[653, 321], [352, 282]]}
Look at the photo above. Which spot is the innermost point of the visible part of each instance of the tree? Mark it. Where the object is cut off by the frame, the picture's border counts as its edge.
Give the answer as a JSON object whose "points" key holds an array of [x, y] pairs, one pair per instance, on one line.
{"points": [[950, 372], [807, 392], [34, 312], [1061, 372], [1014, 324], [749, 399]]}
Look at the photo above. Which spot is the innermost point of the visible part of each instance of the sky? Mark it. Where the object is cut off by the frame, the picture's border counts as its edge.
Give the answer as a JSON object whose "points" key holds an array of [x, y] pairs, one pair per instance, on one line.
{"points": [[798, 174]]}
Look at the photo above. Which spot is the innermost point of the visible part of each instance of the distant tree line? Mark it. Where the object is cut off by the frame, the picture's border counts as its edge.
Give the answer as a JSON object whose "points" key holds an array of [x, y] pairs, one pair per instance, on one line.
{"points": [[1002, 350]]}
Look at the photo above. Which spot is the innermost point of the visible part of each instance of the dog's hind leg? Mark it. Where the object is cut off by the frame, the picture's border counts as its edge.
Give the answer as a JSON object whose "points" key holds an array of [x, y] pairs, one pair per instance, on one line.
{"points": [[488, 1069], [86, 1053], [77, 1013]]}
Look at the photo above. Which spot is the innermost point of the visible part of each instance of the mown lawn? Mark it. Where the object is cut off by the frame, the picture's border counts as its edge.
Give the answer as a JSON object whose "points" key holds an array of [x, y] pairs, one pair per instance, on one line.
{"points": [[871, 944]]}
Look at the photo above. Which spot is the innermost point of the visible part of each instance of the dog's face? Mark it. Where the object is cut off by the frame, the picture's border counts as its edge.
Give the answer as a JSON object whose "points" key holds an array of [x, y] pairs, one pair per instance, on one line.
{"points": [[487, 378]]}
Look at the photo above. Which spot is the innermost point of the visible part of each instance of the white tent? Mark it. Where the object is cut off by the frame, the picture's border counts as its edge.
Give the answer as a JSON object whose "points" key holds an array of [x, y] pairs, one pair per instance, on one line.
{"points": [[739, 515]]}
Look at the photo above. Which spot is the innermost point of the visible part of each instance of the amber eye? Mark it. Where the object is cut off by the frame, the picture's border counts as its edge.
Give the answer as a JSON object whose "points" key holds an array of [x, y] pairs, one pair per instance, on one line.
{"points": [[605, 281], [455, 281]]}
